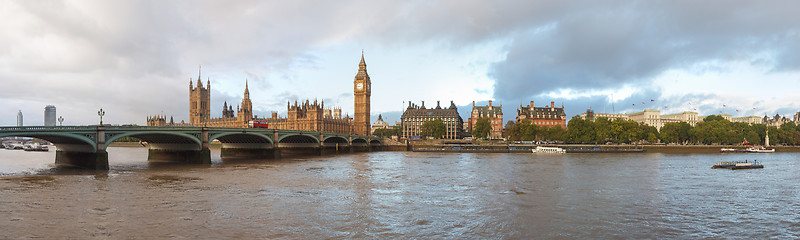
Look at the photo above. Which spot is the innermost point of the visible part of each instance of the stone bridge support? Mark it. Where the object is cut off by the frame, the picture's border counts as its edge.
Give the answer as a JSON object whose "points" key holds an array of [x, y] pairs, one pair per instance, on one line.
{"points": [[91, 157]]}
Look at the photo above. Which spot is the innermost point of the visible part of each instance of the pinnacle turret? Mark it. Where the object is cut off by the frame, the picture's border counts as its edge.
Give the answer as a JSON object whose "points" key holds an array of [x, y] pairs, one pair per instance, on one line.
{"points": [[199, 72], [362, 65], [246, 89]]}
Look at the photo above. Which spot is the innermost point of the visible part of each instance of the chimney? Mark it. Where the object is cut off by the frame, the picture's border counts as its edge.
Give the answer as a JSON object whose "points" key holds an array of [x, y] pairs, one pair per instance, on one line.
{"points": [[423, 104], [552, 106], [531, 106], [490, 104], [473, 102]]}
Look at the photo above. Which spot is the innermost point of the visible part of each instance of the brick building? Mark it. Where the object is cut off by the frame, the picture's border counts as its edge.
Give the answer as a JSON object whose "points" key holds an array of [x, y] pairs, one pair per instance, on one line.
{"points": [[547, 116], [414, 116], [495, 115]]}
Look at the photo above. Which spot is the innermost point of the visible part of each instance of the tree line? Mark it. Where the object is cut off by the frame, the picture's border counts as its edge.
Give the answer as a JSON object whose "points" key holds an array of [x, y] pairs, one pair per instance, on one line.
{"points": [[713, 129]]}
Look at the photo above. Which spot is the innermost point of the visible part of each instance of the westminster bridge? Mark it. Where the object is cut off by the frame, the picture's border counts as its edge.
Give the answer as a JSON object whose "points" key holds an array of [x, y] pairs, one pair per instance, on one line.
{"points": [[85, 146]]}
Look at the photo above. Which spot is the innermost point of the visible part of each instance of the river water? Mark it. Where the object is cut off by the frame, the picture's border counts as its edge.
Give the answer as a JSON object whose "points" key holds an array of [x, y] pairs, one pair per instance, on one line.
{"points": [[389, 195]]}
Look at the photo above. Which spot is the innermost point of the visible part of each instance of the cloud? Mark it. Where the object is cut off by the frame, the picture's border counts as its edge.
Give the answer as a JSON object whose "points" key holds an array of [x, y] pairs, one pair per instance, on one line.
{"points": [[612, 45], [134, 57]]}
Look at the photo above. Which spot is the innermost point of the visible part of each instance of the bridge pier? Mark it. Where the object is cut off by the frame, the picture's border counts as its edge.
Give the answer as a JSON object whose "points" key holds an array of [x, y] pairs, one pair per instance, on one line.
{"points": [[91, 160]]}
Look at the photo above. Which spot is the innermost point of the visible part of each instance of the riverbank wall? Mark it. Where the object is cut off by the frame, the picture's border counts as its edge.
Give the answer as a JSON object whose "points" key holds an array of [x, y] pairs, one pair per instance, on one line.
{"points": [[517, 148]]}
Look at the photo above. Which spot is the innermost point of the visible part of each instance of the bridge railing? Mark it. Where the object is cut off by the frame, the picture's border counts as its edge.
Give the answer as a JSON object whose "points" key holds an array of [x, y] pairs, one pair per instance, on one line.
{"points": [[40, 128], [160, 128]]}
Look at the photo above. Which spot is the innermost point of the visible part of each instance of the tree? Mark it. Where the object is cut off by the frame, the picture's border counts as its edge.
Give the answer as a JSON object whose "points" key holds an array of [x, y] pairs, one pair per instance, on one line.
{"points": [[527, 131], [507, 129], [669, 133], [603, 130], [553, 133], [580, 131], [713, 118], [387, 132], [482, 128], [433, 128]]}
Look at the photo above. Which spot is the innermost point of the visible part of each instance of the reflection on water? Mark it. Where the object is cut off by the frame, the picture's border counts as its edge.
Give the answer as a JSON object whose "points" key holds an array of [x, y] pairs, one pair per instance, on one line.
{"points": [[402, 195]]}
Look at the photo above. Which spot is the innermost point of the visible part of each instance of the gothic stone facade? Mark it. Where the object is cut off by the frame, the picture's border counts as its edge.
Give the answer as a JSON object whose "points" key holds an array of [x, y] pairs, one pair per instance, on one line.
{"points": [[306, 116], [311, 117], [200, 110], [362, 89]]}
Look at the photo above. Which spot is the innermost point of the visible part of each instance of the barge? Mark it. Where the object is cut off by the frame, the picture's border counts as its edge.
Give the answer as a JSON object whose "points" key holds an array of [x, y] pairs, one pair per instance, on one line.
{"points": [[738, 165]]}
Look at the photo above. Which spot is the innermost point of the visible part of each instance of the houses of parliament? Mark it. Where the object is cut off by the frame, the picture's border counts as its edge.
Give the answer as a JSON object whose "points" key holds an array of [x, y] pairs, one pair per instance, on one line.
{"points": [[310, 116]]}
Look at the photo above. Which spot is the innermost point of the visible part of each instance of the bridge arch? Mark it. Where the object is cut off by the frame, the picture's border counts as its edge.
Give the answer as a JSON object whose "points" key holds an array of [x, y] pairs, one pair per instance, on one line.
{"points": [[359, 140], [59, 139], [240, 137], [159, 137], [375, 141], [335, 139], [298, 138]]}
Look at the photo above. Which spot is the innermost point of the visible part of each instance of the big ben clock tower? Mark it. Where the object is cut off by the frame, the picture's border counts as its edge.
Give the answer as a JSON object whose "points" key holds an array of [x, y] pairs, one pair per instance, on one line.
{"points": [[362, 91]]}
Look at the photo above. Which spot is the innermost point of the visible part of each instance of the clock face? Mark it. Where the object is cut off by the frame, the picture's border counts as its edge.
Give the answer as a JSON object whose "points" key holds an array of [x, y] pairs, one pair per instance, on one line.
{"points": [[359, 86]]}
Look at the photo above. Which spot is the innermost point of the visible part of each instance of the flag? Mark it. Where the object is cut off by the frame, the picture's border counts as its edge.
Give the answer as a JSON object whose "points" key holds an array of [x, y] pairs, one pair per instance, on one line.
{"points": [[665, 106], [652, 100]]}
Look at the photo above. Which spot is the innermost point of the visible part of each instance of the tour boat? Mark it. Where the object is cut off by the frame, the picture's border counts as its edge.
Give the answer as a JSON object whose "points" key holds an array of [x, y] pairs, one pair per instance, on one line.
{"points": [[540, 149], [738, 165], [759, 150]]}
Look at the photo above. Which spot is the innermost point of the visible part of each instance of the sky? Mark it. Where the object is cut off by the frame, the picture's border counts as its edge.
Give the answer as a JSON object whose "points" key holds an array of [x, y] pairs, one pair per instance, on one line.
{"points": [[135, 58]]}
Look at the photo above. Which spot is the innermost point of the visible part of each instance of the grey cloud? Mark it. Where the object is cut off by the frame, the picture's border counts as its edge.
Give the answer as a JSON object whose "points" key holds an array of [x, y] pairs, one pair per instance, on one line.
{"points": [[115, 53], [598, 48]]}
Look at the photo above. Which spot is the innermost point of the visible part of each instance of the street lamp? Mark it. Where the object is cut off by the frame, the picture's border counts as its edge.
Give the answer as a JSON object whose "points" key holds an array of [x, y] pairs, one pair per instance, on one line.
{"points": [[101, 113], [61, 120]]}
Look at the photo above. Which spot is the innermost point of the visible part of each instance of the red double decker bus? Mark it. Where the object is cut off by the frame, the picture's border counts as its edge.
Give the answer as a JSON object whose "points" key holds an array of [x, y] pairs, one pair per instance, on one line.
{"points": [[258, 124]]}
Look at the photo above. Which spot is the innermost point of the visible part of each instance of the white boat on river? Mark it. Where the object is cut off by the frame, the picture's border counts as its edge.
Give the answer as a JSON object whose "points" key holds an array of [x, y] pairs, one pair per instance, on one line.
{"points": [[541, 149]]}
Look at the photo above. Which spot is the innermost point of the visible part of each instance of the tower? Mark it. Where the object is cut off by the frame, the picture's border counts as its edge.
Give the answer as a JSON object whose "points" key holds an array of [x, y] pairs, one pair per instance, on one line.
{"points": [[19, 119], [246, 110], [50, 115], [199, 101], [362, 91]]}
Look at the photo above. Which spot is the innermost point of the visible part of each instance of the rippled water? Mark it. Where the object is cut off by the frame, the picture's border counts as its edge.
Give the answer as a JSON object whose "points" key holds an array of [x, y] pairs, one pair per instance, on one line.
{"points": [[403, 195]]}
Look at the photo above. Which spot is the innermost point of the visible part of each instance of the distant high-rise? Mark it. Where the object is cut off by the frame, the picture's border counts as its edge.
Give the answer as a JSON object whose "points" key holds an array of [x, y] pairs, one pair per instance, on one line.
{"points": [[19, 118], [50, 115]]}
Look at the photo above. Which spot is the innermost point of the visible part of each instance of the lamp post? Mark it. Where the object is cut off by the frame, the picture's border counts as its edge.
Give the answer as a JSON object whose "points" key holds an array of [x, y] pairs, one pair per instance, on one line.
{"points": [[61, 120], [101, 113]]}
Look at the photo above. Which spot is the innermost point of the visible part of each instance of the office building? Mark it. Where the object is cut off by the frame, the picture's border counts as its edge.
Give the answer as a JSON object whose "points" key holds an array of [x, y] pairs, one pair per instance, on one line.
{"points": [[50, 115]]}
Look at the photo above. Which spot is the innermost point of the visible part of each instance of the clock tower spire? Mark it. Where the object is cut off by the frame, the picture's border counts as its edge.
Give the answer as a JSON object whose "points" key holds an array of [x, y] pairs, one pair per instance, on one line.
{"points": [[362, 91]]}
